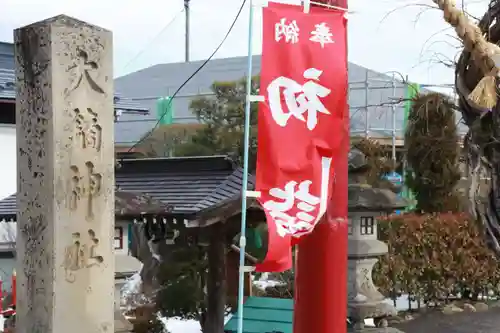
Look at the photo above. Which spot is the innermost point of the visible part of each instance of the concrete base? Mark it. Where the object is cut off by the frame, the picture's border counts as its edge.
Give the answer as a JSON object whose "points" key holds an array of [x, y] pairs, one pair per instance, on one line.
{"points": [[122, 325], [375, 309]]}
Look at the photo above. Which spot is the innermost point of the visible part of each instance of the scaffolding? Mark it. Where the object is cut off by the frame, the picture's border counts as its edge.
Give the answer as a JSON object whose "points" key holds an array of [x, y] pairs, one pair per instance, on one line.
{"points": [[377, 107], [376, 100]]}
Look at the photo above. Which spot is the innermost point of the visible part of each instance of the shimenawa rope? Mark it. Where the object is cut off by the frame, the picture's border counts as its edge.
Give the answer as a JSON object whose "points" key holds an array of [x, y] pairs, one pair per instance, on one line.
{"points": [[484, 94]]}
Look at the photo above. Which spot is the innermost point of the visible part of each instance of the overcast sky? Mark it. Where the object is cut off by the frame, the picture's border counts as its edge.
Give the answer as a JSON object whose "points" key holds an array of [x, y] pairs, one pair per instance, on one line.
{"points": [[384, 35]]}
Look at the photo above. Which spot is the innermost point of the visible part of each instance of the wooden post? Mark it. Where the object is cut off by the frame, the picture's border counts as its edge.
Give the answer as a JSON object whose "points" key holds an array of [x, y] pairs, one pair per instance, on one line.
{"points": [[13, 287], [216, 280], [1, 295], [65, 163]]}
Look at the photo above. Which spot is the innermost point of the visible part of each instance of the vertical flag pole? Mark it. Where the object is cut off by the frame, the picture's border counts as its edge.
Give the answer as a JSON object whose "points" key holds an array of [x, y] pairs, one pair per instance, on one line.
{"points": [[14, 288], [307, 6], [1, 296], [244, 187]]}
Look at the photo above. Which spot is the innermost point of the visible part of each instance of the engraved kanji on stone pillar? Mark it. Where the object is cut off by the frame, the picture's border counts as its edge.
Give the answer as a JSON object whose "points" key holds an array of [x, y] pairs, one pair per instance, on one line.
{"points": [[65, 177]]}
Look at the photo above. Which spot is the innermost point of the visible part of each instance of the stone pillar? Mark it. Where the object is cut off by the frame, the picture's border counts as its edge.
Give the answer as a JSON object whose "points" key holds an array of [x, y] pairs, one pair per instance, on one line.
{"points": [[65, 161]]}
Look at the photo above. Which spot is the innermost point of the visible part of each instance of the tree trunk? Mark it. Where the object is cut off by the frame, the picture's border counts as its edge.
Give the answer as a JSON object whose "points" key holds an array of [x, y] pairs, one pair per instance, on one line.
{"points": [[216, 280]]}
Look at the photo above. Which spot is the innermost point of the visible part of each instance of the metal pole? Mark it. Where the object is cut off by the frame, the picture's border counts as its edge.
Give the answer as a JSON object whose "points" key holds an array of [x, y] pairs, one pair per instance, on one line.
{"points": [[367, 116], [186, 41], [244, 186], [393, 109]]}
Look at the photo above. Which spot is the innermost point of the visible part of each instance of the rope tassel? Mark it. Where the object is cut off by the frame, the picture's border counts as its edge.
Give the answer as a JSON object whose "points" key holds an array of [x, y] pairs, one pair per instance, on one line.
{"points": [[484, 94]]}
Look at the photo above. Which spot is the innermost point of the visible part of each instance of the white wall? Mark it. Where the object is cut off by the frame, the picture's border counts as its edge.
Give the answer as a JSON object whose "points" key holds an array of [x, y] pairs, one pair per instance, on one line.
{"points": [[8, 173], [124, 228], [118, 289], [8, 177], [7, 266]]}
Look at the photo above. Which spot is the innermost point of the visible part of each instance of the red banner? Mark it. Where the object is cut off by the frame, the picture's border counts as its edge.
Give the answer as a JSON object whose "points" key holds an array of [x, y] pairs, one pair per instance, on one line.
{"points": [[302, 124]]}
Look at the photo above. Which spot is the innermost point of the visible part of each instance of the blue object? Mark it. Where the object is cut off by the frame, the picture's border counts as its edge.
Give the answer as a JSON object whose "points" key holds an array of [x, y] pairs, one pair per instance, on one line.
{"points": [[395, 178], [264, 314]]}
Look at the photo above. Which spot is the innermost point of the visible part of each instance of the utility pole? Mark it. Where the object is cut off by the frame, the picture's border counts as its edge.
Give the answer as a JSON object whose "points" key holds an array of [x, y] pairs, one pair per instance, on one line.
{"points": [[186, 10], [393, 111]]}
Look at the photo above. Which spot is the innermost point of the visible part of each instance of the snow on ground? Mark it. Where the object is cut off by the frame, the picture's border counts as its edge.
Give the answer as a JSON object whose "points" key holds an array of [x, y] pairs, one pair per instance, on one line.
{"points": [[181, 326], [192, 326], [174, 325], [132, 286], [264, 282]]}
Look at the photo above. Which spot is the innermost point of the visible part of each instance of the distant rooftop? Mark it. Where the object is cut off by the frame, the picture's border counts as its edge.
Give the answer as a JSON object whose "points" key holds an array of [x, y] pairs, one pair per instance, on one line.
{"points": [[370, 95], [8, 84]]}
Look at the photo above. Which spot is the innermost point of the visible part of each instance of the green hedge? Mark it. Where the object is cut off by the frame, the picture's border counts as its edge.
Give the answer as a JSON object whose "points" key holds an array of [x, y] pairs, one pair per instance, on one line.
{"points": [[432, 257]]}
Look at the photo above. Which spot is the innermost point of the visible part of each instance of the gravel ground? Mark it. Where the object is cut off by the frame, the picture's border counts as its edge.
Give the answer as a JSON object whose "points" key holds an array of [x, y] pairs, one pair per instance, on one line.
{"points": [[465, 322]]}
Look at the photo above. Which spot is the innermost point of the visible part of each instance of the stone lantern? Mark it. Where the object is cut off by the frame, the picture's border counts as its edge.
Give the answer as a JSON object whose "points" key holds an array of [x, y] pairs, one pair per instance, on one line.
{"points": [[365, 205]]}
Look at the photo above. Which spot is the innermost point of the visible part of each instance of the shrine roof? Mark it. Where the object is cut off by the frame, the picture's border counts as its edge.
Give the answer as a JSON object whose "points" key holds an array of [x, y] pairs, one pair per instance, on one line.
{"points": [[225, 202], [167, 186], [8, 92], [127, 204], [367, 198]]}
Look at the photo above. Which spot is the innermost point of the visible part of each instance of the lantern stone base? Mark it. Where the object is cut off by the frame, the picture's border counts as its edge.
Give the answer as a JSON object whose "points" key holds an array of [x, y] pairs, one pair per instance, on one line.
{"points": [[364, 299], [122, 325], [359, 312]]}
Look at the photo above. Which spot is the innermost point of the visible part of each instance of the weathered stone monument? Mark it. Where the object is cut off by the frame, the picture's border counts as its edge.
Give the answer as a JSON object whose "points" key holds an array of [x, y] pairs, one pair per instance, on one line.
{"points": [[65, 161], [366, 204]]}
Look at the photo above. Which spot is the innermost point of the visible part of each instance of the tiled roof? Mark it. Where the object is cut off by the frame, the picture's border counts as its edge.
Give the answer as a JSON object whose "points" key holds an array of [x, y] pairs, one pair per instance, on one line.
{"points": [[7, 84], [228, 189], [7, 91], [126, 204], [188, 184], [8, 208]]}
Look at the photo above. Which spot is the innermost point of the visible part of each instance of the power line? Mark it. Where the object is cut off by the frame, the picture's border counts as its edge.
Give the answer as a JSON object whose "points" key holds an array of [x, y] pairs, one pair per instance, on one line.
{"points": [[210, 93], [145, 137], [354, 109], [158, 35]]}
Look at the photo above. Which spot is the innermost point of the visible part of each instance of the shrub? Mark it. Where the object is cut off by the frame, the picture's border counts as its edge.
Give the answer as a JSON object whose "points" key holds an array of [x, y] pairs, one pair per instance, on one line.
{"points": [[435, 256], [432, 152], [377, 160]]}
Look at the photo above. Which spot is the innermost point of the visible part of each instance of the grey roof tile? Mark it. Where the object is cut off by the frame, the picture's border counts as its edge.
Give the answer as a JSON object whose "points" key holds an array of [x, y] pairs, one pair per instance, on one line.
{"points": [[6, 55], [230, 188], [189, 184], [7, 85]]}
